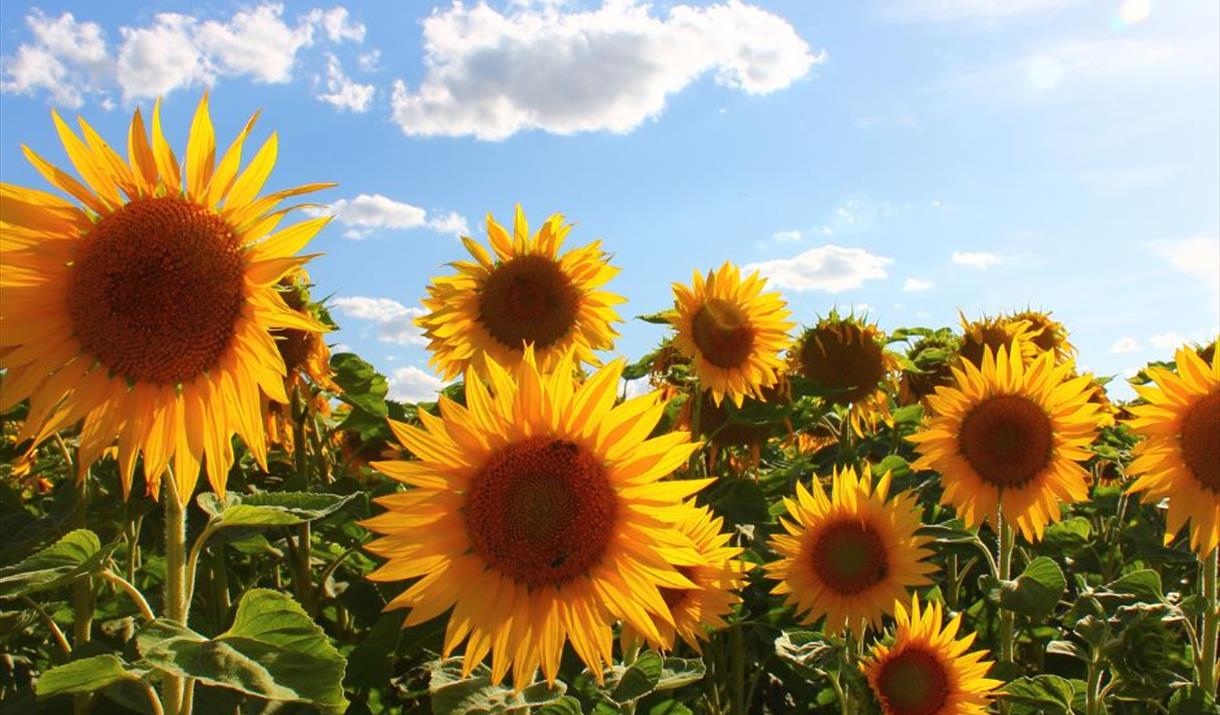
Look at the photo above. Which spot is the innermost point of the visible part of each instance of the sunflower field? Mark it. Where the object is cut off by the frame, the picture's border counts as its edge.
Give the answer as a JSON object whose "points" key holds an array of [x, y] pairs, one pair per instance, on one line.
{"points": [[205, 510]]}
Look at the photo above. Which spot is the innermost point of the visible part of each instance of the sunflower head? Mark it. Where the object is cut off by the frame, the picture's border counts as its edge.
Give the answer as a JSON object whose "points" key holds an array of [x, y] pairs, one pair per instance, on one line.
{"points": [[305, 353], [848, 555], [1009, 438], [732, 331], [147, 310], [846, 358], [523, 293], [934, 355], [986, 333], [1046, 333], [538, 516], [1179, 456], [927, 669]]}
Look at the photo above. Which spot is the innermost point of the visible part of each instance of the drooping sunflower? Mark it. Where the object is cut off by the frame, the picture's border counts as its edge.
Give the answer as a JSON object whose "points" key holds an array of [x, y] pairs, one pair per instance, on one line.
{"points": [[1010, 436], [934, 355], [927, 669], [527, 294], [724, 431], [1046, 333], [848, 556], [1179, 457], [305, 354], [995, 333], [847, 357], [538, 517], [717, 579], [732, 331], [147, 310]]}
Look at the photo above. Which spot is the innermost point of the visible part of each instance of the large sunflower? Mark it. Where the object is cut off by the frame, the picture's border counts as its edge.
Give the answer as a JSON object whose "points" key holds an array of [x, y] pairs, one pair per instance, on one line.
{"points": [[994, 333], [733, 332], [528, 294], [1179, 457], [538, 517], [717, 579], [927, 670], [1011, 436], [147, 311], [850, 555], [847, 358]]}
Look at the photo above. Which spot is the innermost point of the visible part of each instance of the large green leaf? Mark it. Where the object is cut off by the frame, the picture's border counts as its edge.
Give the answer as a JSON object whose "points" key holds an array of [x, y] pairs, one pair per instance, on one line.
{"points": [[270, 508], [272, 650], [454, 695], [1036, 591], [85, 675], [77, 554], [639, 679], [679, 672], [1042, 694], [362, 385]]}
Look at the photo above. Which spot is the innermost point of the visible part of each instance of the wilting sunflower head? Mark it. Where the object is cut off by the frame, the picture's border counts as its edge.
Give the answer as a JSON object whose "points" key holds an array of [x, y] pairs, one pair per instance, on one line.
{"points": [[698, 611], [539, 517], [526, 294], [927, 669], [847, 357], [305, 353], [934, 355], [1046, 333], [848, 555], [994, 333], [147, 310], [732, 331], [1179, 457], [1010, 437]]}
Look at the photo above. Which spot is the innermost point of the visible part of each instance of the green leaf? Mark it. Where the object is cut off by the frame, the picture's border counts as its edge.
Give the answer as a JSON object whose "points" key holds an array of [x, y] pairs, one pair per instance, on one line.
{"points": [[84, 676], [679, 672], [454, 695], [740, 501], [1192, 700], [669, 707], [661, 318], [638, 680], [77, 554], [1036, 591], [1068, 648], [567, 705], [1142, 585], [273, 651], [270, 508], [1044, 694], [362, 385], [809, 651]]}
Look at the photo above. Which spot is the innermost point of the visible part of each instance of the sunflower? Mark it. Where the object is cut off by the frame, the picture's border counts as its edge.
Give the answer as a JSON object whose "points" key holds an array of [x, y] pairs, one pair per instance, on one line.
{"points": [[850, 555], [1046, 333], [1179, 457], [732, 331], [1011, 436], [723, 431], [995, 333], [847, 358], [717, 580], [927, 671], [538, 517], [527, 294], [305, 353], [148, 312], [933, 355]]}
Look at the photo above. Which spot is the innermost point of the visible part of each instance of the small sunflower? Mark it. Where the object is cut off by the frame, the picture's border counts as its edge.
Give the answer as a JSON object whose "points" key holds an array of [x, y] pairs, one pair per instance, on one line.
{"points": [[927, 670], [1179, 457], [733, 332], [847, 357], [148, 312], [1011, 436], [1046, 333], [305, 353], [538, 516], [528, 294], [849, 556], [995, 333], [717, 580], [934, 355]]}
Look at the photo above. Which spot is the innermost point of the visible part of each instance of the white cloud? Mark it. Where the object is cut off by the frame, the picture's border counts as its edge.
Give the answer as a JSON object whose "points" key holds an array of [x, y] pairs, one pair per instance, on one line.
{"points": [[337, 25], [827, 268], [451, 222], [342, 91], [155, 60], [977, 259], [255, 43], [367, 213], [1125, 345], [969, 10], [367, 61], [411, 384], [1197, 257], [786, 236], [1167, 341], [395, 322], [634, 388], [65, 56], [491, 74], [913, 285]]}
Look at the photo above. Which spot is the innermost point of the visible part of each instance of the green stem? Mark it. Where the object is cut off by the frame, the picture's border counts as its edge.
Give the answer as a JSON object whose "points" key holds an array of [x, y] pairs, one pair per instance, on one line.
{"points": [[696, 407], [134, 593], [192, 563], [304, 538], [153, 700], [1094, 685], [51, 624], [844, 705], [1211, 616], [82, 588], [737, 654], [176, 604], [1007, 542]]}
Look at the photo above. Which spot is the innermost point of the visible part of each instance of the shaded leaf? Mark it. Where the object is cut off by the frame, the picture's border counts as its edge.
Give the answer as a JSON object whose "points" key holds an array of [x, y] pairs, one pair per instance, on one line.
{"points": [[84, 676], [454, 695], [638, 680], [1036, 591], [77, 553], [1044, 694], [270, 508]]}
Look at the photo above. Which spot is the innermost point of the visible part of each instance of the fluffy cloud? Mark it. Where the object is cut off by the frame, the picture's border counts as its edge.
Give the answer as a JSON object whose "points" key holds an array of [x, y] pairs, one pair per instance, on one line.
{"points": [[367, 213], [977, 259], [1125, 345], [65, 57], [1167, 341], [912, 285], [451, 222], [395, 322], [411, 384], [786, 236], [827, 268], [342, 91], [491, 74], [1197, 257]]}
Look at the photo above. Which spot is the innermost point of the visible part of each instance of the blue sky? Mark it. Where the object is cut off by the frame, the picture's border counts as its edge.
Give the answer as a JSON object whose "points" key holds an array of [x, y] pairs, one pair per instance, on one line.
{"points": [[912, 156]]}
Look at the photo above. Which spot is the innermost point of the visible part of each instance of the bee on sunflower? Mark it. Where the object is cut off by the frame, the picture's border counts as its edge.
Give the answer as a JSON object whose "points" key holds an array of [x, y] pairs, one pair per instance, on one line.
{"points": [[146, 310], [846, 357], [527, 293], [992, 334]]}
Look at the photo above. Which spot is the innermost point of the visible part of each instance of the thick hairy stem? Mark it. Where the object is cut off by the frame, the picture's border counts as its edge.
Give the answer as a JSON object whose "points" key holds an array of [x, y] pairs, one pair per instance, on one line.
{"points": [[305, 591], [176, 604], [1207, 648], [1007, 542], [82, 588], [737, 654]]}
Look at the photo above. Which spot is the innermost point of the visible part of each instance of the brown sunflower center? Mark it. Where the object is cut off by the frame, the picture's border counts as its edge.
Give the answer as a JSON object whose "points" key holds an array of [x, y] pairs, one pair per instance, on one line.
{"points": [[913, 683], [722, 333], [157, 288], [674, 597], [847, 361], [529, 299], [986, 336], [849, 557], [1007, 439], [541, 511], [1201, 440]]}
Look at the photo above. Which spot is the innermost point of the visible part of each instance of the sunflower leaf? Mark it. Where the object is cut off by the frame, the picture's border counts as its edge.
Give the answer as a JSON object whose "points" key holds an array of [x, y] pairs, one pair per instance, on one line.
{"points": [[77, 554], [271, 508], [1043, 694], [474, 695], [638, 680], [85, 675], [1037, 591]]}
